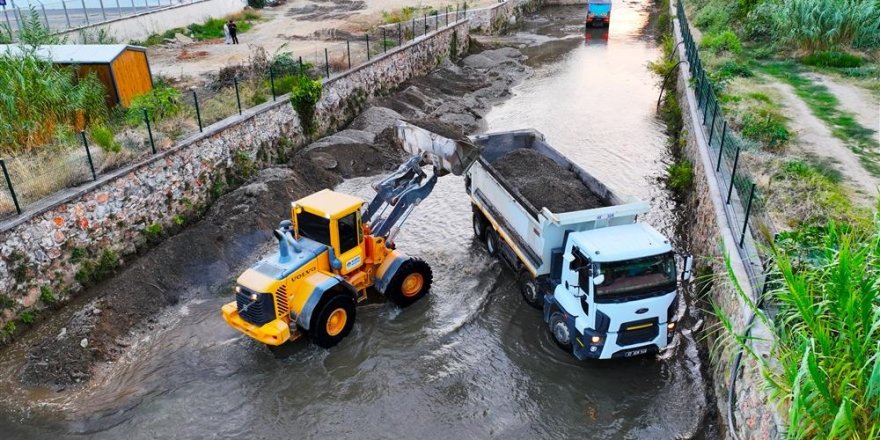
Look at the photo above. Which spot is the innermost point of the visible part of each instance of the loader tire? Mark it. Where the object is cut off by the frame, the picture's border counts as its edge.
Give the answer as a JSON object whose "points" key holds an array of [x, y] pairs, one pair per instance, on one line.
{"points": [[559, 331], [411, 282], [492, 241], [334, 321], [531, 292]]}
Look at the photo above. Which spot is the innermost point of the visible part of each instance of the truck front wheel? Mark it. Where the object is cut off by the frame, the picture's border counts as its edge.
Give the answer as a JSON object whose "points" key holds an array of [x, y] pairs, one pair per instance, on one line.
{"points": [[335, 320], [560, 331], [411, 282], [528, 286]]}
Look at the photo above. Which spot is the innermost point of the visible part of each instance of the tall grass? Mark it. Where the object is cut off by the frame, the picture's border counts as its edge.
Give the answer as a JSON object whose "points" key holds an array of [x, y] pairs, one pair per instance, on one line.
{"points": [[39, 100], [824, 24], [827, 332]]}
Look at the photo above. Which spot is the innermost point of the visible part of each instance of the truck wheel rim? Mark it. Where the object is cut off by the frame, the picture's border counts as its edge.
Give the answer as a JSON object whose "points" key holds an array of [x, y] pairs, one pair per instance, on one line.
{"points": [[412, 284], [336, 322], [490, 243], [531, 292], [560, 332]]}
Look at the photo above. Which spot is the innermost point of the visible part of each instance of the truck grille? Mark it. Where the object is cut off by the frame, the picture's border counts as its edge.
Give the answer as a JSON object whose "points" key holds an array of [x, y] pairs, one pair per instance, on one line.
{"points": [[257, 312], [645, 330], [281, 300]]}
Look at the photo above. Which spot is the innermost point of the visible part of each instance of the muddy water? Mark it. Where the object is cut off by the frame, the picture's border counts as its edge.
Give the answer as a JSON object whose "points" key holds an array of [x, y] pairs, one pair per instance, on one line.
{"points": [[470, 361]]}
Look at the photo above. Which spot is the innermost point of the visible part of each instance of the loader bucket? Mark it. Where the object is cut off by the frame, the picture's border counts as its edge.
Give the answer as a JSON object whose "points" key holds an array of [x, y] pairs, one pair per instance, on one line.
{"points": [[447, 150]]}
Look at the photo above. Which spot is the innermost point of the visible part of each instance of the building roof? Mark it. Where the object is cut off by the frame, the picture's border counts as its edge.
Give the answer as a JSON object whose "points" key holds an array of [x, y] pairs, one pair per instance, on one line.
{"points": [[74, 53]]}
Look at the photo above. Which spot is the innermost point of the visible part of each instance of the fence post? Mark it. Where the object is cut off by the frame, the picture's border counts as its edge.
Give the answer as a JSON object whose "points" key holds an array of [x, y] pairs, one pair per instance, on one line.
{"points": [[326, 63], [103, 12], [447, 15], [45, 17], [9, 22], [456, 12], [237, 94], [9, 185], [348, 51], [709, 97], [367, 37], [150, 131], [399, 34], [721, 148], [86, 13], [742, 236], [712, 125], [118, 8], [413, 27], [384, 41], [732, 175], [133, 6], [301, 72], [425, 32], [88, 155], [199, 111], [271, 83]]}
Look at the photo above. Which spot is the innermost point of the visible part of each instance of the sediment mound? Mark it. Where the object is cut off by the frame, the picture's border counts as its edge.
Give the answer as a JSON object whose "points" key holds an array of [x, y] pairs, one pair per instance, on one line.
{"points": [[544, 183]]}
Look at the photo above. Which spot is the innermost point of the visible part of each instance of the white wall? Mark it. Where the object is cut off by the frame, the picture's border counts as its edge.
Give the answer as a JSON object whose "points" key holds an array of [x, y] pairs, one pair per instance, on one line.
{"points": [[141, 26]]}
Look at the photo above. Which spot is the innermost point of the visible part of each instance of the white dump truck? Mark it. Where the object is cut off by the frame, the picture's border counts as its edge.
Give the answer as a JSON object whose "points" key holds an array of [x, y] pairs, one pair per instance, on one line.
{"points": [[606, 283]]}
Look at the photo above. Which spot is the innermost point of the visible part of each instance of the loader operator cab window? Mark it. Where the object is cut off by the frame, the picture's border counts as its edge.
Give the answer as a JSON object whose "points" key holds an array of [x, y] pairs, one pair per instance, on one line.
{"points": [[313, 227], [349, 232]]}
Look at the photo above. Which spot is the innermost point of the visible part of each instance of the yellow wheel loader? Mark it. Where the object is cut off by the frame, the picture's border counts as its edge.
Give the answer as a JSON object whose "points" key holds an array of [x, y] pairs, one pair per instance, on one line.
{"points": [[336, 246]]}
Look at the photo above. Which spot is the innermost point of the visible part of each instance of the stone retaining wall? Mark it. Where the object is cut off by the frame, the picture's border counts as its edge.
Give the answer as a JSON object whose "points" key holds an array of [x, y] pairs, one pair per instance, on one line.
{"points": [[712, 238], [43, 249]]}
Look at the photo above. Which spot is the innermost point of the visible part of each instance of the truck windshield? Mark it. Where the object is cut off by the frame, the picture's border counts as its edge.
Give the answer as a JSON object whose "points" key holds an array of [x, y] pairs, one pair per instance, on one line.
{"points": [[314, 227], [636, 278]]}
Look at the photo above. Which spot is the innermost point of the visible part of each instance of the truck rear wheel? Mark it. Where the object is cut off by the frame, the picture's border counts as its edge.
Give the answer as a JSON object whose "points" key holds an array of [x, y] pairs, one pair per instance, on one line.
{"points": [[411, 282], [491, 240], [479, 225], [335, 320], [560, 331], [531, 293]]}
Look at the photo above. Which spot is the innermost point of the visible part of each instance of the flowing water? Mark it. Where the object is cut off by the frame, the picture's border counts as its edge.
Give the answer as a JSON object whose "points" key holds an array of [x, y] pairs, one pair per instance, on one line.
{"points": [[472, 360]]}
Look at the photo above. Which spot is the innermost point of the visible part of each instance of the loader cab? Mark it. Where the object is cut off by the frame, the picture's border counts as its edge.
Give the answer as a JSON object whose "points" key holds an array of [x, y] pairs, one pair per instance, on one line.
{"points": [[332, 219]]}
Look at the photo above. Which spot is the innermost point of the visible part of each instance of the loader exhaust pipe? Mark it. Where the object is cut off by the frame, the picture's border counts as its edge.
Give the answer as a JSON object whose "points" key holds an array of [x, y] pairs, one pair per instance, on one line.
{"points": [[285, 241]]}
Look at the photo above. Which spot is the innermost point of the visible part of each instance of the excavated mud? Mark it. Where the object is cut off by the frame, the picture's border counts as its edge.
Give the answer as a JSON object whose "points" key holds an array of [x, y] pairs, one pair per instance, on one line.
{"points": [[546, 184], [335, 10], [206, 257]]}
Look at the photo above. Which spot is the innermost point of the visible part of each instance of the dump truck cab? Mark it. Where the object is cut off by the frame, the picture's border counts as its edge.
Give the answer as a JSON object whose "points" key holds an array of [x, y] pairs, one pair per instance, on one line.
{"points": [[617, 295]]}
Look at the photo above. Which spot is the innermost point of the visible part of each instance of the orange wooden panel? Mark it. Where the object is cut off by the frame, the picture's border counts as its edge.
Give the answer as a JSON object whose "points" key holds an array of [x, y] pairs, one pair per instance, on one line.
{"points": [[132, 75]]}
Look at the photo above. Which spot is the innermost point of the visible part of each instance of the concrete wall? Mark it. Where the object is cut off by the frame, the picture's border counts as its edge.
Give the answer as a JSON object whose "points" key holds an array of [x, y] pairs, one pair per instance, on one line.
{"points": [[45, 246], [712, 238], [141, 26], [496, 18]]}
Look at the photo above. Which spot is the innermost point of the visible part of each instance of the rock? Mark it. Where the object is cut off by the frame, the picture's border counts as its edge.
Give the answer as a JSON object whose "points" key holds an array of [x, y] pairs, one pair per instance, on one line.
{"points": [[96, 311], [375, 119], [84, 342], [62, 333], [479, 61], [324, 160], [255, 189], [183, 38]]}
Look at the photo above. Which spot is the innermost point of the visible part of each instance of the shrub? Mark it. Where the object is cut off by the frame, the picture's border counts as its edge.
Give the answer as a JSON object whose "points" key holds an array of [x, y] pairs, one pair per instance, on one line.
{"points": [[832, 59], [104, 138], [731, 69], [9, 328], [721, 41], [403, 14], [160, 103], [767, 126], [712, 17], [153, 232], [680, 175], [28, 317], [47, 296], [304, 97]]}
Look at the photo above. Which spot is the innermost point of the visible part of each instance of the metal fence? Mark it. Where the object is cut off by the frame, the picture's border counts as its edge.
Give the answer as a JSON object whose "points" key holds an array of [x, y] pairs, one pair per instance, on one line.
{"points": [[745, 206], [60, 16], [29, 178]]}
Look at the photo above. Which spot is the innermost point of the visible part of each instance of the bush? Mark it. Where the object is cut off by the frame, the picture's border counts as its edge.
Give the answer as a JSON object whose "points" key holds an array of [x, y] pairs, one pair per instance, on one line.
{"points": [[721, 41], [257, 4], [160, 103], [28, 317], [153, 232], [304, 97], [767, 126], [731, 69], [47, 296], [104, 138], [712, 17], [832, 59], [680, 175]]}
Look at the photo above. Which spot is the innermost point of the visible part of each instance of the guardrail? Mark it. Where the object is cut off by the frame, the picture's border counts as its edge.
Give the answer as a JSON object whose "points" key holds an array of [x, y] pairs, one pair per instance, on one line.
{"points": [[64, 15]]}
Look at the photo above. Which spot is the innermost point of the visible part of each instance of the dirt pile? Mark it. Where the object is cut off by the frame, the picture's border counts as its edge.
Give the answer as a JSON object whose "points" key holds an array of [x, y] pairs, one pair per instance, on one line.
{"points": [[334, 10], [544, 183]]}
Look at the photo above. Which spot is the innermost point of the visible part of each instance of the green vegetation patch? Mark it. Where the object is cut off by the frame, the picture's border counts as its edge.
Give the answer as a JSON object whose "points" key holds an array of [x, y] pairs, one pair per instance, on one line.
{"points": [[766, 125], [825, 106], [808, 192], [724, 41], [833, 59], [160, 103]]}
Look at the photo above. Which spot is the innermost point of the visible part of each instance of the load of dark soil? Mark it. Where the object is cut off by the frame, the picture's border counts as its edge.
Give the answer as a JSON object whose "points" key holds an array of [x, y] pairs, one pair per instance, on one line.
{"points": [[448, 131], [546, 184]]}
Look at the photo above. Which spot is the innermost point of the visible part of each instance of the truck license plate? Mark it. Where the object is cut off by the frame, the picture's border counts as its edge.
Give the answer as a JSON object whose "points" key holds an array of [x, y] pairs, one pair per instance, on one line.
{"points": [[636, 352]]}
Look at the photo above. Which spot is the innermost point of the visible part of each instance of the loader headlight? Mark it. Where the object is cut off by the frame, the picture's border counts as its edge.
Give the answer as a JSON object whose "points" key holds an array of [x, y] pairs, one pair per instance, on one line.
{"points": [[255, 296], [237, 289]]}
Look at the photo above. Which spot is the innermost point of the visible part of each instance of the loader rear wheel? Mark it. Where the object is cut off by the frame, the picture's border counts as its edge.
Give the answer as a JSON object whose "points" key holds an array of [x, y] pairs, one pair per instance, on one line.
{"points": [[411, 282], [335, 320], [491, 241], [560, 331], [531, 293]]}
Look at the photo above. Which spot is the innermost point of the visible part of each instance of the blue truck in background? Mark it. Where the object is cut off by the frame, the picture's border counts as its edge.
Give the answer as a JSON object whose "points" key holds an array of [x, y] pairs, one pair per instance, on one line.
{"points": [[598, 13]]}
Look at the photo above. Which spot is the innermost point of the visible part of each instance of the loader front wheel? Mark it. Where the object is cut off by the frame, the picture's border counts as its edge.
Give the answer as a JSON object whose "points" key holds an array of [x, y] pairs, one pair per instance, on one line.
{"points": [[411, 282], [335, 320]]}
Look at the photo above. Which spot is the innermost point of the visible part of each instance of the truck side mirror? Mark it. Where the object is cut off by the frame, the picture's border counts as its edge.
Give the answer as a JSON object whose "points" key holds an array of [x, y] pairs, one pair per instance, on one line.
{"points": [[599, 279], [688, 274]]}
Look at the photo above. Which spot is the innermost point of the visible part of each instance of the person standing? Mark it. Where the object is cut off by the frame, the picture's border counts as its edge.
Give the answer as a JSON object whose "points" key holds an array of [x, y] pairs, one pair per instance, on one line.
{"points": [[233, 31], [227, 38]]}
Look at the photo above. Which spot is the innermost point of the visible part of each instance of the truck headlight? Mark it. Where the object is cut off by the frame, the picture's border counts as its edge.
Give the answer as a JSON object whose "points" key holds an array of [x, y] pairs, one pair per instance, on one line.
{"points": [[596, 339]]}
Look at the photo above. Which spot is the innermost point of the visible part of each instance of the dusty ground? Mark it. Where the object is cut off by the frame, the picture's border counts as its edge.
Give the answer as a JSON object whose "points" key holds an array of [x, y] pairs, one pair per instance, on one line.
{"points": [[237, 227], [855, 100], [303, 27], [544, 183]]}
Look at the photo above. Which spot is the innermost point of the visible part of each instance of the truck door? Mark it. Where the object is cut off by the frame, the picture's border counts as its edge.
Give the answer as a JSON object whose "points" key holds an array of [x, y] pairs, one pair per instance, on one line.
{"points": [[350, 249], [577, 278]]}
